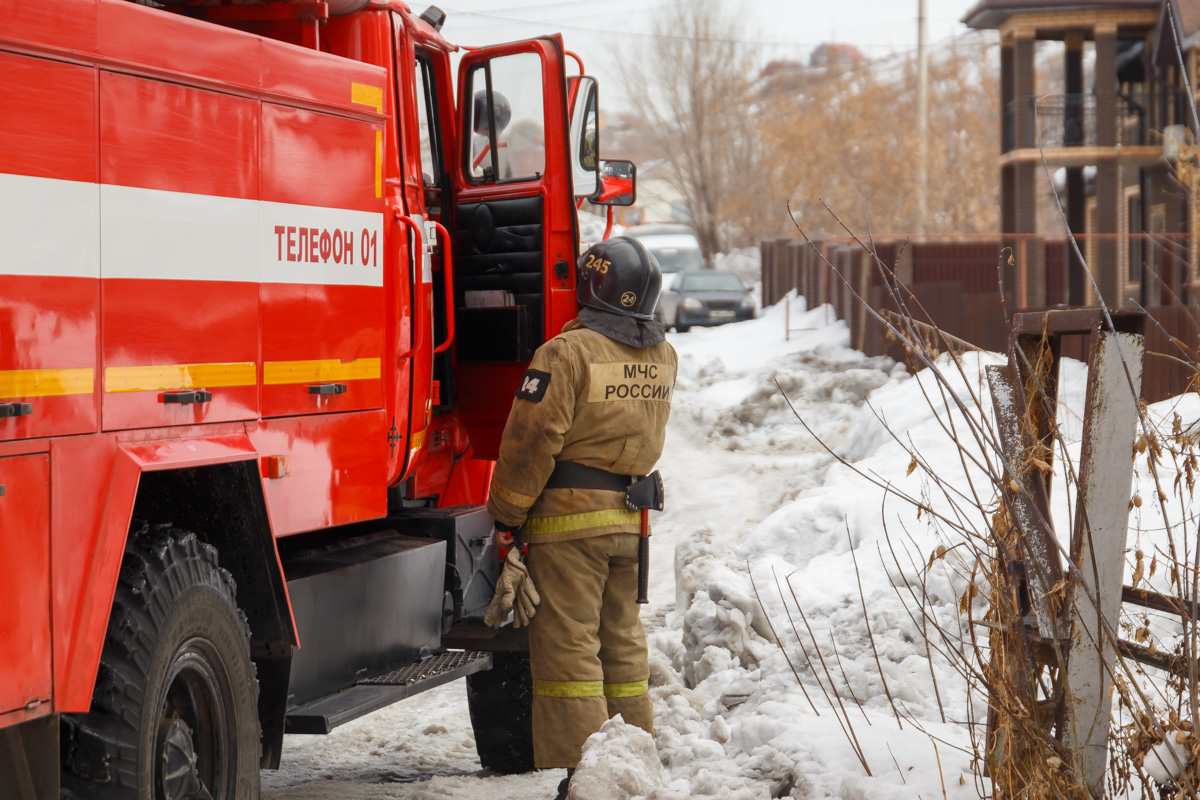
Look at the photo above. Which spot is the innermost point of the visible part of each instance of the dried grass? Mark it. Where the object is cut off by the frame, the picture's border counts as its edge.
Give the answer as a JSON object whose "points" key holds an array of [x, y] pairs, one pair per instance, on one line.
{"points": [[1019, 752]]}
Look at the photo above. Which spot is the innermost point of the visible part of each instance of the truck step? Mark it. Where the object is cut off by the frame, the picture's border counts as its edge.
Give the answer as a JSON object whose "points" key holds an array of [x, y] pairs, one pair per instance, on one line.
{"points": [[323, 714]]}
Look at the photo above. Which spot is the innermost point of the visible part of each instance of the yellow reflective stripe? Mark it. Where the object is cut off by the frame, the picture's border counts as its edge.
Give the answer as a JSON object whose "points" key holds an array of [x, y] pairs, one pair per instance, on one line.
{"points": [[378, 164], [580, 522], [179, 376], [632, 689], [568, 688], [366, 95], [46, 382], [330, 369]]}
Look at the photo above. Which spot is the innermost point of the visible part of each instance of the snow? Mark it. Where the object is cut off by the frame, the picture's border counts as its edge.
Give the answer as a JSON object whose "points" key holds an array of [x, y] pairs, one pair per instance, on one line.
{"points": [[768, 514], [619, 762], [591, 228], [784, 622], [1165, 759]]}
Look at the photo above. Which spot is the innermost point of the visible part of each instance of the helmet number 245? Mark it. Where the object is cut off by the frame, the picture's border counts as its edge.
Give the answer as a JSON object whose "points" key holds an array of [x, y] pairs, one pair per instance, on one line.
{"points": [[600, 265]]}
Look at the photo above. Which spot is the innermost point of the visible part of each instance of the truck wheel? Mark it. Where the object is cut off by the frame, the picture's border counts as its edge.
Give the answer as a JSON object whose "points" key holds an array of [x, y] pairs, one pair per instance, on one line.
{"points": [[501, 703], [682, 328], [175, 710]]}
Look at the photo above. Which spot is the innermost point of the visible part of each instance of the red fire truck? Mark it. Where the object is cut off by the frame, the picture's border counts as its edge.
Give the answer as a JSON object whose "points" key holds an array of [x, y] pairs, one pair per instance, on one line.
{"points": [[268, 278]]}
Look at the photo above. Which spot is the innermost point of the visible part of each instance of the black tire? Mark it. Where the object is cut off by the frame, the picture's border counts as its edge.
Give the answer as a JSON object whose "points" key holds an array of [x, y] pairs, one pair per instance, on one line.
{"points": [[176, 683], [501, 703], [682, 328]]}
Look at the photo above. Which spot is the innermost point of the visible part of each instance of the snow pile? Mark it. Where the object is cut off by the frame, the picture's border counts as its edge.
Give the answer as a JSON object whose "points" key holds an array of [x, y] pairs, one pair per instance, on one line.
{"points": [[619, 762], [752, 704], [776, 704]]}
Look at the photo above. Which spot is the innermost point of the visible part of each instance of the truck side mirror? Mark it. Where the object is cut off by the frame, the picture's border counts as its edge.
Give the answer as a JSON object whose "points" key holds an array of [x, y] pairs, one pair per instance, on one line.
{"points": [[585, 135], [618, 184]]}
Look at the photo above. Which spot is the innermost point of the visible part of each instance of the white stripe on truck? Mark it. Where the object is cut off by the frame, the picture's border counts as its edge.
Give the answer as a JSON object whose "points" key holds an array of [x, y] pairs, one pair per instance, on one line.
{"points": [[49, 227], [57, 228]]}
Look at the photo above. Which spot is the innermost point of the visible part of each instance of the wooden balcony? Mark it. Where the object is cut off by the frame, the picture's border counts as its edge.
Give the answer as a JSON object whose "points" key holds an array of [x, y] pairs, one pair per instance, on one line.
{"points": [[1063, 130]]}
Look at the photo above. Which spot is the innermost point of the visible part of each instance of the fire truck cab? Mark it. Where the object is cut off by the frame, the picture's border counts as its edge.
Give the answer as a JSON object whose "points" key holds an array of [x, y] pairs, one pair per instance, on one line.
{"points": [[269, 275]]}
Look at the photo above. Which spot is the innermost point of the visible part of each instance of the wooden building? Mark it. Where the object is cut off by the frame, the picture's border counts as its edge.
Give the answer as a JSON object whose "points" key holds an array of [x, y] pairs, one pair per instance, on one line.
{"points": [[1125, 143]]}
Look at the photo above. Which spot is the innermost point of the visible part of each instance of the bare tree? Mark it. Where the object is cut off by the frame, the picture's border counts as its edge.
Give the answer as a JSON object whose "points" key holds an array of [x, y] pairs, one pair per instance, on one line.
{"points": [[734, 144], [848, 135], [691, 89]]}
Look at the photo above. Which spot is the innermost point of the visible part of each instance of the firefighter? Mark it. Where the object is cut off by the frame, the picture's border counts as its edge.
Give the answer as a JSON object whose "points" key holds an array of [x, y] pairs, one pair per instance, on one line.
{"points": [[589, 420]]}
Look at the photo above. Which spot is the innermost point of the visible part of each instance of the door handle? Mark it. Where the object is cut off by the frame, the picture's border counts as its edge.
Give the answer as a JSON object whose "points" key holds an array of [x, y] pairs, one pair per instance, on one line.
{"points": [[418, 339], [327, 388], [448, 280], [187, 397], [15, 409]]}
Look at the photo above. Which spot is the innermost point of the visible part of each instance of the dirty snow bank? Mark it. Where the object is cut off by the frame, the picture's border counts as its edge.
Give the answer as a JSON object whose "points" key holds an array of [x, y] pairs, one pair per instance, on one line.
{"points": [[766, 705], [737, 715]]}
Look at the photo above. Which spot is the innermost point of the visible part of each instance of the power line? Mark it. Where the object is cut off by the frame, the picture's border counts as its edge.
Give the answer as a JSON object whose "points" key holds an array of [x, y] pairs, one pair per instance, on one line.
{"points": [[542, 6], [550, 24], [642, 34], [586, 10]]}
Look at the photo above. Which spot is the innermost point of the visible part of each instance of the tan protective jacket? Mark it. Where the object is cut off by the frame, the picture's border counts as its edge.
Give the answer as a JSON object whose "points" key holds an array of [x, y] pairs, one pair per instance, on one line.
{"points": [[591, 400]]}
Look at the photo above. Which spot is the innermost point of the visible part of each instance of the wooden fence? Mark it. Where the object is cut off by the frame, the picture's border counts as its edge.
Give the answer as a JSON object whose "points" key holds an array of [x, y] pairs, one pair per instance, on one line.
{"points": [[955, 285]]}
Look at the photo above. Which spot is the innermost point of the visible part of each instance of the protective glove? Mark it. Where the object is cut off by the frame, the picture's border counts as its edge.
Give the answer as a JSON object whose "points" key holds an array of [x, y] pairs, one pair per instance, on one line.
{"points": [[515, 592], [527, 599]]}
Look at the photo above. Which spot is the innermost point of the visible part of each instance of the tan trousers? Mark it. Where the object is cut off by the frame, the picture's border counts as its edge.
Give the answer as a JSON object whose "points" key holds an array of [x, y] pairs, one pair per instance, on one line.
{"points": [[586, 644]]}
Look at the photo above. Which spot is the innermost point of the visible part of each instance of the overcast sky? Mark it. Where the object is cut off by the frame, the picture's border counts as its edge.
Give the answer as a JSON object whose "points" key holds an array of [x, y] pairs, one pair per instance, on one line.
{"points": [[774, 29]]}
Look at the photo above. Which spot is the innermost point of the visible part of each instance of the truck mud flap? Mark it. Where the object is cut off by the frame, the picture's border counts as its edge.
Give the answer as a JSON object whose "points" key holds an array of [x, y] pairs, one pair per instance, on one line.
{"points": [[371, 694], [29, 760]]}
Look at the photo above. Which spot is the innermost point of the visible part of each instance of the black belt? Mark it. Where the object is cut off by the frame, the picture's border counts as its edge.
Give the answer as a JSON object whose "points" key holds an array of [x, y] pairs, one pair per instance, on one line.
{"points": [[570, 475]]}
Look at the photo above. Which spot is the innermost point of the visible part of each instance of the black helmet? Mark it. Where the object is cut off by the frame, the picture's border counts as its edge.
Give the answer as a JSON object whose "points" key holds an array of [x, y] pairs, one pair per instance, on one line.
{"points": [[480, 116], [619, 275]]}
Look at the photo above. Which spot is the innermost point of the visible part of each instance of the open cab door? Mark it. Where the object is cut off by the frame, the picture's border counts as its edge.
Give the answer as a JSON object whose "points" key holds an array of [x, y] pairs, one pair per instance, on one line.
{"points": [[513, 223]]}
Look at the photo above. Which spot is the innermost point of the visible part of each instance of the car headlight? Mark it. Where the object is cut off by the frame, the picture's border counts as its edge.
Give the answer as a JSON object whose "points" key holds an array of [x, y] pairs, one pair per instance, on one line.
{"points": [[747, 302], [692, 304]]}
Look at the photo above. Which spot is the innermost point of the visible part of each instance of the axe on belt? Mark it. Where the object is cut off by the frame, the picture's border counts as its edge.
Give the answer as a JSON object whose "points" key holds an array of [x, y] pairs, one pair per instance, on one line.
{"points": [[642, 495]]}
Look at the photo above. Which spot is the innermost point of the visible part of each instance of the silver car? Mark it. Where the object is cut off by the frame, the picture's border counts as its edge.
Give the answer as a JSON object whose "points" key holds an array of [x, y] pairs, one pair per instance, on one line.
{"points": [[708, 297]]}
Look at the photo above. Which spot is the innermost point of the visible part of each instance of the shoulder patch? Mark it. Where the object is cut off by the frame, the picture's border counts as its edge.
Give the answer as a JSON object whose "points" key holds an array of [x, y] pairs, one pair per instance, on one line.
{"points": [[533, 385]]}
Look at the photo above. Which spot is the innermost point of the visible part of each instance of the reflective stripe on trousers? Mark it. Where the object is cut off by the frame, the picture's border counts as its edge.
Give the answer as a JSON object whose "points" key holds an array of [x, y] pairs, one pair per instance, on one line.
{"points": [[590, 688]]}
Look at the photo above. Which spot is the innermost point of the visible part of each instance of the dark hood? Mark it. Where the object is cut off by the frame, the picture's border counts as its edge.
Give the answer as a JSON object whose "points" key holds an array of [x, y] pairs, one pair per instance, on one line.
{"points": [[623, 329]]}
